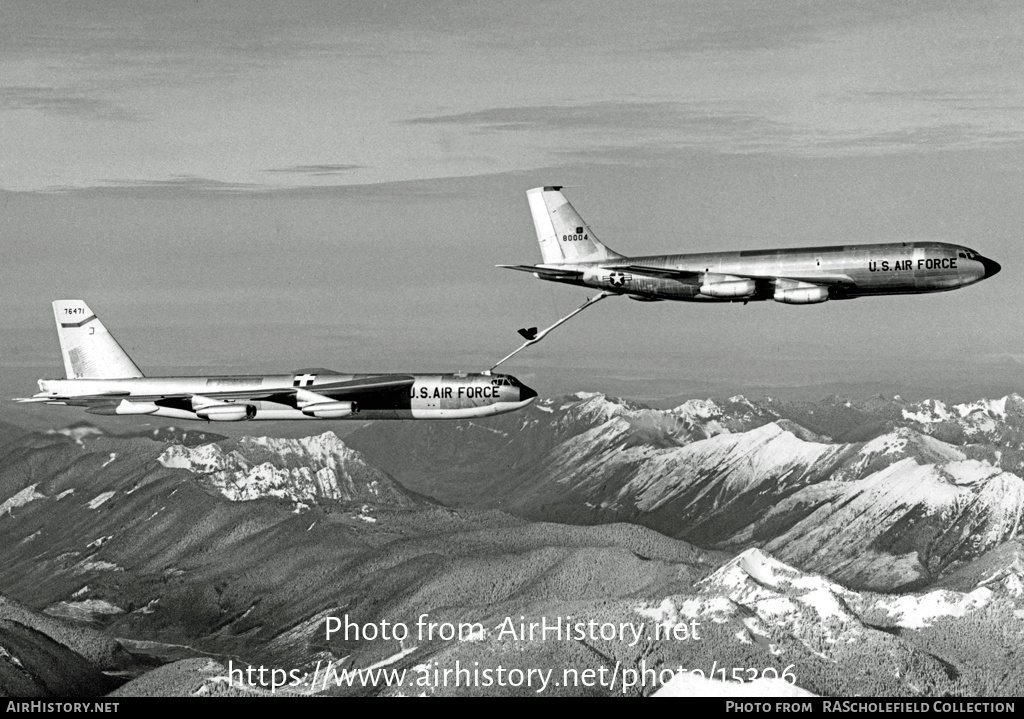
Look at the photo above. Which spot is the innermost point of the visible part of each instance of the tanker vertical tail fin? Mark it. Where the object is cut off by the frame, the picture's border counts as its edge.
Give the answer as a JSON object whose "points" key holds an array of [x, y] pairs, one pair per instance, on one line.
{"points": [[89, 350], [563, 236]]}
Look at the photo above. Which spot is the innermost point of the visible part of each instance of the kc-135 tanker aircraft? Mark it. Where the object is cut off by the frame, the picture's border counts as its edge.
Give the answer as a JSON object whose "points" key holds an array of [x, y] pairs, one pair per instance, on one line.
{"points": [[102, 378], [799, 276]]}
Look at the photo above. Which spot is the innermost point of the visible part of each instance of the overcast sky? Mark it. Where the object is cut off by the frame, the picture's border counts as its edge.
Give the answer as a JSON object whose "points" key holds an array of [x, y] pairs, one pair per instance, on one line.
{"points": [[265, 186]]}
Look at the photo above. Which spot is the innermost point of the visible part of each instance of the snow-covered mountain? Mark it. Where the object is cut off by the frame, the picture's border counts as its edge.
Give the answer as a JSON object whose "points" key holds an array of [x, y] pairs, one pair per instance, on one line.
{"points": [[304, 470], [978, 419], [926, 488], [781, 595], [809, 625], [145, 539]]}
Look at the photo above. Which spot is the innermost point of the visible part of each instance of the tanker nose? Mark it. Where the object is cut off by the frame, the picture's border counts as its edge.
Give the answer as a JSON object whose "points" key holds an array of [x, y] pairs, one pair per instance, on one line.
{"points": [[991, 266]]}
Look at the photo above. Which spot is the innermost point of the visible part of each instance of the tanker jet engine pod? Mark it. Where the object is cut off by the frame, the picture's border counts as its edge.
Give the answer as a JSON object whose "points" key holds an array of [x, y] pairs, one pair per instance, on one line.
{"points": [[801, 295], [103, 379], [573, 255], [728, 287]]}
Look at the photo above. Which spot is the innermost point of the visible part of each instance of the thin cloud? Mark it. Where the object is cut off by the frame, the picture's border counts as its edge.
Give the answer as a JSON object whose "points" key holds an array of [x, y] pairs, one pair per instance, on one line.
{"points": [[317, 170], [174, 186], [603, 115], [62, 102], [612, 127], [606, 129], [459, 187]]}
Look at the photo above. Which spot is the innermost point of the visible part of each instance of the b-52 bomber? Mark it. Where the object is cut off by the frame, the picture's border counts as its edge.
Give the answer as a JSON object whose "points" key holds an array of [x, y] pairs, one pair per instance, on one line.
{"points": [[573, 255], [103, 379]]}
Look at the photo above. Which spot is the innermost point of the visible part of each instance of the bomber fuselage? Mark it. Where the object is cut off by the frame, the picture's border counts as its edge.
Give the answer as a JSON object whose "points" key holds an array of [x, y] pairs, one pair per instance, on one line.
{"points": [[103, 379], [294, 396]]}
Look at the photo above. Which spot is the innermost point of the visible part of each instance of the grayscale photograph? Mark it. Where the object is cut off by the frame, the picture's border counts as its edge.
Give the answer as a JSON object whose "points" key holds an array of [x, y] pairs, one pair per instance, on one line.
{"points": [[528, 348]]}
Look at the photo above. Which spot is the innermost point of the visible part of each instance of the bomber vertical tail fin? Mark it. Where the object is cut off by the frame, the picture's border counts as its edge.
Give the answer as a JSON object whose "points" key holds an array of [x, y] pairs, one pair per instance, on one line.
{"points": [[89, 351], [563, 236]]}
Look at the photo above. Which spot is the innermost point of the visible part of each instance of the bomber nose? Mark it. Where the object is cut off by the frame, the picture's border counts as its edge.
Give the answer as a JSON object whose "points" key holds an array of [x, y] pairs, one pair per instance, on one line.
{"points": [[991, 266], [525, 393]]}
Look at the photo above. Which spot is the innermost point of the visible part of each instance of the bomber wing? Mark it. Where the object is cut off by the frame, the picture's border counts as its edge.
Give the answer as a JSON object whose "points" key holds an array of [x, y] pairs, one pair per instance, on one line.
{"points": [[344, 390], [353, 387], [86, 400]]}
